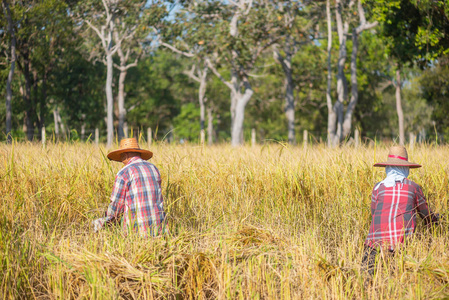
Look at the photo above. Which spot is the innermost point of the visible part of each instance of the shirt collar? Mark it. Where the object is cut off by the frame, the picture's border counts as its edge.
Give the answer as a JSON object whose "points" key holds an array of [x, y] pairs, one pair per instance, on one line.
{"points": [[133, 159]]}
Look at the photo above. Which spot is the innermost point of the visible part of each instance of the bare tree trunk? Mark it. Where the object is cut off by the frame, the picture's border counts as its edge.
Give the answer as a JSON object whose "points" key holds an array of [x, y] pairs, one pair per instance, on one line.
{"points": [[210, 126], [338, 107], [342, 85], [43, 102], [331, 114], [11, 71], [238, 102], [289, 99], [235, 91], [110, 100], [83, 127], [202, 93], [121, 103], [238, 77], [290, 109], [286, 63], [202, 80], [105, 33], [63, 129], [55, 119], [399, 108], [354, 88], [234, 95], [347, 124], [29, 113], [58, 124], [341, 79], [35, 101], [237, 128], [123, 68]]}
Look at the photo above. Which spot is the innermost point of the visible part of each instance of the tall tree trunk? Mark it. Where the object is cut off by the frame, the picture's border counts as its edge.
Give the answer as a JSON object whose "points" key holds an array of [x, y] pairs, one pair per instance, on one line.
{"points": [[399, 108], [234, 95], [354, 88], [286, 63], [11, 71], [43, 102], [36, 100], [56, 121], [29, 113], [210, 126], [342, 85], [105, 33], [331, 114], [338, 107], [347, 124], [121, 103], [61, 124], [235, 91], [110, 100], [237, 126], [290, 108], [237, 102], [83, 128], [289, 99], [202, 93], [241, 91], [123, 68], [202, 80]]}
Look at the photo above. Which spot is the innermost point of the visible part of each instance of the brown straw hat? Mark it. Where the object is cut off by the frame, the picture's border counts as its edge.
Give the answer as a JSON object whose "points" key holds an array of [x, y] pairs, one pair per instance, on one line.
{"points": [[129, 145], [398, 157]]}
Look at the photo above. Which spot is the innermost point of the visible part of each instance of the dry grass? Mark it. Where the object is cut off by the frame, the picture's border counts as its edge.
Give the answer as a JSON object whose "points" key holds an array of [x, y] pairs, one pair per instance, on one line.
{"points": [[267, 222]]}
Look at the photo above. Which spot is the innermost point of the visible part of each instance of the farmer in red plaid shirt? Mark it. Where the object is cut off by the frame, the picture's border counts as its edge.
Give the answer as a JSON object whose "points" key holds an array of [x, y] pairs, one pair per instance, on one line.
{"points": [[136, 196], [395, 202]]}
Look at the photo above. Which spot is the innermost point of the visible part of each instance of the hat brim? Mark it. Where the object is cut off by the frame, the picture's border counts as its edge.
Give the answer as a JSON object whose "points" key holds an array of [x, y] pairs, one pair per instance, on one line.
{"points": [[398, 163], [115, 155]]}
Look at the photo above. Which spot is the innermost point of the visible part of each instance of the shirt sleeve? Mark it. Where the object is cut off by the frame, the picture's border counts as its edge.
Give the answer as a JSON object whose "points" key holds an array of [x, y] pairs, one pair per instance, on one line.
{"points": [[117, 205], [374, 199], [422, 207]]}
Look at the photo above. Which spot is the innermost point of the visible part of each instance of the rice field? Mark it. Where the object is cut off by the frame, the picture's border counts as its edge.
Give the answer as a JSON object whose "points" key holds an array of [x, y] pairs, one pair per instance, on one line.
{"points": [[263, 222]]}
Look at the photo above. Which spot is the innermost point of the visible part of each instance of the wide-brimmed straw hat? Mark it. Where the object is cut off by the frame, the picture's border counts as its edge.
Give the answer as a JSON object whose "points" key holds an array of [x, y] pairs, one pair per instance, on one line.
{"points": [[129, 145], [398, 157]]}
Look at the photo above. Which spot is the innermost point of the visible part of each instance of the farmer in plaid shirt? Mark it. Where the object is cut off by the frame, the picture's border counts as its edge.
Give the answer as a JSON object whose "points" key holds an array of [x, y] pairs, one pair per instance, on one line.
{"points": [[136, 195], [395, 202]]}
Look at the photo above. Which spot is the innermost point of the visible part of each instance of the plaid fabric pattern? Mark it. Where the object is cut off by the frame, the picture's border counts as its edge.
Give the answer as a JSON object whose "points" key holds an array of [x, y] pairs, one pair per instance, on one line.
{"points": [[393, 211], [137, 197]]}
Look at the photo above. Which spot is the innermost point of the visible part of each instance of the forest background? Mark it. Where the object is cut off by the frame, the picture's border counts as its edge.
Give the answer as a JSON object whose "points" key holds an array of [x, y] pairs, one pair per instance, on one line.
{"points": [[178, 67]]}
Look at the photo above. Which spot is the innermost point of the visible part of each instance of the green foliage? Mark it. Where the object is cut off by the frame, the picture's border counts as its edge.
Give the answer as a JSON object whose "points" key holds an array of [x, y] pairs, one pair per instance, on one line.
{"points": [[414, 30], [187, 123], [160, 96], [80, 92], [435, 89], [155, 91], [433, 34]]}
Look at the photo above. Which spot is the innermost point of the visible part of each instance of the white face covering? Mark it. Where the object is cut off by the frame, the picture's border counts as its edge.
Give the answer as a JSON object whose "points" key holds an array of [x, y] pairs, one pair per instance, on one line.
{"points": [[394, 173]]}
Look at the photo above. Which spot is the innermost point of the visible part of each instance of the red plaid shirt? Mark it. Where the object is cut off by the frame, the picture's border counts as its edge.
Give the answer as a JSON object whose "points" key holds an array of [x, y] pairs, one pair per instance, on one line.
{"points": [[393, 211], [137, 196]]}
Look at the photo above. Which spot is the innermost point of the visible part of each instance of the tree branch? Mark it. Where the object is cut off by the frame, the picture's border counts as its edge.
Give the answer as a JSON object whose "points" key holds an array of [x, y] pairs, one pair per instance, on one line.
{"points": [[262, 48], [97, 31], [279, 58], [191, 74], [227, 83], [363, 25], [177, 50]]}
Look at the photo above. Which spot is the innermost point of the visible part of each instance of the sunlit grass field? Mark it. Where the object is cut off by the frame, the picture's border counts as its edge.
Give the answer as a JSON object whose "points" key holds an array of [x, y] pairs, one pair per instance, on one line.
{"points": [[263, 222]]}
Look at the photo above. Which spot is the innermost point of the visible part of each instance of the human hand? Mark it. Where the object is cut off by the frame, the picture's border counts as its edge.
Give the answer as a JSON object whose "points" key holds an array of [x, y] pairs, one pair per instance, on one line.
{"points": [[97, 224]]}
